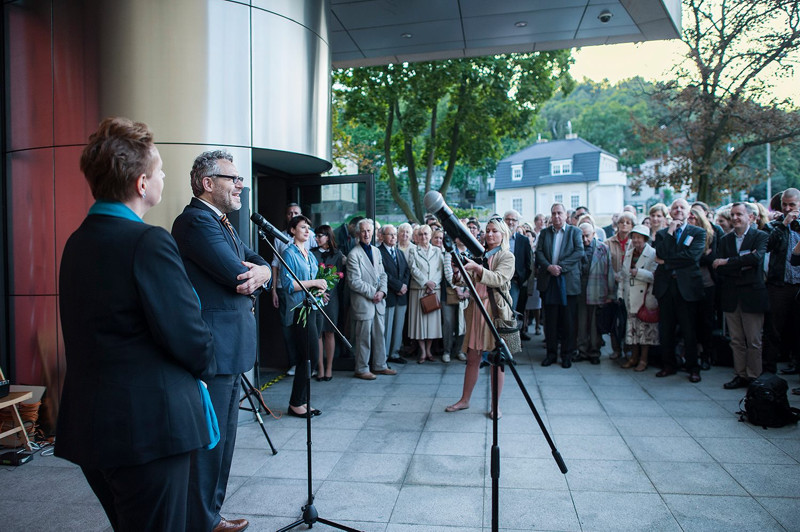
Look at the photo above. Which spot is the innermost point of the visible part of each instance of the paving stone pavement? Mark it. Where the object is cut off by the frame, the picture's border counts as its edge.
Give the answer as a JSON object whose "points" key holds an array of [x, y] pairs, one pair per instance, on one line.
{"points": [[643, 454]]}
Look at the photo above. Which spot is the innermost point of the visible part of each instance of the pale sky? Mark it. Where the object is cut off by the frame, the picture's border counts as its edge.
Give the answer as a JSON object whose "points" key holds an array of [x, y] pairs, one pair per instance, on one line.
{"points": [[652, 60]]}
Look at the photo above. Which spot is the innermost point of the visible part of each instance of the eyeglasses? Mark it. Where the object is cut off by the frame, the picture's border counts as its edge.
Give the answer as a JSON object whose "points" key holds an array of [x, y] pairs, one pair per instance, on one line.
{"points": [[234, 178], [511, 220]]}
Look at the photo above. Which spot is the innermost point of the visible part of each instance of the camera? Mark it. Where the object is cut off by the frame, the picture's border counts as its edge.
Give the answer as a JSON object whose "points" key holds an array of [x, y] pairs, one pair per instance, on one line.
{"points": [[605, 16]]}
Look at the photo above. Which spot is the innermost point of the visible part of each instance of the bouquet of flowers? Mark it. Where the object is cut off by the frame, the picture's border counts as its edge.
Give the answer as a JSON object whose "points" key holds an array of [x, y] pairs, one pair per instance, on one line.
{"points": [[332, 277]]}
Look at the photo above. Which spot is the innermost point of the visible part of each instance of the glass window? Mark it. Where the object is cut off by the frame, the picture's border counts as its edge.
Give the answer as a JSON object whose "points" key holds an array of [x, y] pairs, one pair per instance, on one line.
{"points": [[516, 172], [561, 167], [574, 201], [516, 204]]}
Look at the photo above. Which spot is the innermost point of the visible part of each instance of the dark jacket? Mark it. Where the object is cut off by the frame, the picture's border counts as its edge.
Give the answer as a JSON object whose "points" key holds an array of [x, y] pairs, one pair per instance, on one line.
{"points": [[213, 260], [569, 259], [397, 275], [681, 259], [134, 343], [777, 247], [742, 278], [523, 259]]}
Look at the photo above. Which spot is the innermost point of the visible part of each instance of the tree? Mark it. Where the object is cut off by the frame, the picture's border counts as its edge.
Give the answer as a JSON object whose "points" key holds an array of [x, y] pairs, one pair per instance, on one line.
{"points": [[444, 114], [719, 108]]}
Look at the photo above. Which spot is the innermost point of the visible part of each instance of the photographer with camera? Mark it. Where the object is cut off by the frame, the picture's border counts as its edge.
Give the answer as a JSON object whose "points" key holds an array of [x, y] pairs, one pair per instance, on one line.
{"points": [[783, 284]]}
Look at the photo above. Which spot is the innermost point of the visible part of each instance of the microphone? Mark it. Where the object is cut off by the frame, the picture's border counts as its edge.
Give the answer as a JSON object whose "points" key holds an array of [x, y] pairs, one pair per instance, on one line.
{"points": [[268, 228], [434, 203]]}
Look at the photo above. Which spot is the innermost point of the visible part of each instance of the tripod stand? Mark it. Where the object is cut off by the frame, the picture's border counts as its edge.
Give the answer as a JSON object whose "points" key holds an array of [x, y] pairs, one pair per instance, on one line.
{"points": [[499, 359], [249, 392], [309, 512]]}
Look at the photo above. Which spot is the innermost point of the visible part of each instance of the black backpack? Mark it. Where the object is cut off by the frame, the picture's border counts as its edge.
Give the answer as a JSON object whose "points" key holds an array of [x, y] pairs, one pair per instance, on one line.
{"points": [[766, 403]]}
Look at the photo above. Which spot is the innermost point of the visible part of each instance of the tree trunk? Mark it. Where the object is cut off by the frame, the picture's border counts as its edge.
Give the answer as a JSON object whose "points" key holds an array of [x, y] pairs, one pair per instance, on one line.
{"points": [[387, 152]]}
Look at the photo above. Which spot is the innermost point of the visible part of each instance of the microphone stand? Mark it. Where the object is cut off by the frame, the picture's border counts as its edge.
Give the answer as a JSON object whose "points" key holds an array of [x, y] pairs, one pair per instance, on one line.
{"points": [[310, 514], [499, 359]]}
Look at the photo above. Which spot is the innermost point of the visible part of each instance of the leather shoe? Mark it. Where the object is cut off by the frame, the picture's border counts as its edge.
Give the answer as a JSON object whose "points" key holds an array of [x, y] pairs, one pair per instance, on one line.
{"points": [[795, 391], [387, 371], [548, 361], [566, 363], [397, 360], [705, 366], [367, 376], [665, 372], [694, 377], [524, 336], [737, 382], [231, 525], [791, 370], [594, 360]]}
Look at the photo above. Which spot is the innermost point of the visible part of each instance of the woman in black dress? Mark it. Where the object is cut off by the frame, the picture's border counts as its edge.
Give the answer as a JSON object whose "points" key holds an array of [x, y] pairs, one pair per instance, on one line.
{"points": [[329, 255]]}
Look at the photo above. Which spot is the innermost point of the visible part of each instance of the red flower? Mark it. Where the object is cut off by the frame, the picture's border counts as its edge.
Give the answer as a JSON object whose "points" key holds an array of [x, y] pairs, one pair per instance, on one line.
{"points": [[340, 274], [322, 265]]}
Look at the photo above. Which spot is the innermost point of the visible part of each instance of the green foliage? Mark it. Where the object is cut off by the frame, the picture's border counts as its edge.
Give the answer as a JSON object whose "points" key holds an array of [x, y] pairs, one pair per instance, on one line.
{"points": [[467, 213], [443, 114]]}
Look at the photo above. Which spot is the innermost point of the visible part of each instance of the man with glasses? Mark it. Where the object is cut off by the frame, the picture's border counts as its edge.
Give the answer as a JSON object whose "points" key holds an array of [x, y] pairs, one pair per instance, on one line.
{"points": [[227, 276], [520, 246]]}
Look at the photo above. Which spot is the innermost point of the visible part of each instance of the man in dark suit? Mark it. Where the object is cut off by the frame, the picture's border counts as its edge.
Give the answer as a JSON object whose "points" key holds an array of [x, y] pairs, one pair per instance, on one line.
{"points": [[520, 246], [740, 268], [397, 278], [227, 276], [678, 285], [559, 254]]}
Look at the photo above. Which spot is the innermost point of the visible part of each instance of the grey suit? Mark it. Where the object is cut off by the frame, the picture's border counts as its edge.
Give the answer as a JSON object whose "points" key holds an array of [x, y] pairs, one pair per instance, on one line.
{"points": [[365, 278]]}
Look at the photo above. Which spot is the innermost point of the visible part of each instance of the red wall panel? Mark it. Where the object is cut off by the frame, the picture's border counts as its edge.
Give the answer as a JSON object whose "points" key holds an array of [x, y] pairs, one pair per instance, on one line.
{"points": [[30, 75], [33, 236], [72, 197]]}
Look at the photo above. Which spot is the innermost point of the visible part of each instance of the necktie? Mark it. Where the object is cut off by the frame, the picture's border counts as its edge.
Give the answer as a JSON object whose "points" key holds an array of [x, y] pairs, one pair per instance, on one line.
{"points": [[678, 233], [227, 224], [393, 253]]}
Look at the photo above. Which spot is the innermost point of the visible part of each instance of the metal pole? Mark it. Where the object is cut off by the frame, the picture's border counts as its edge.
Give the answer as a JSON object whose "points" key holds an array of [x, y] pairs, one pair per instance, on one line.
{"points": [[769, 172]]}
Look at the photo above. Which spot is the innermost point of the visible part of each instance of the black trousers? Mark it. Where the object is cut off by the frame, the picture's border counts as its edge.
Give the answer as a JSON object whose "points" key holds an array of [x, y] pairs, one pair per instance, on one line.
{"points": [[781, 327], [676, 311], [208, 477], [150, 496], [559, 328], [307, 341]]}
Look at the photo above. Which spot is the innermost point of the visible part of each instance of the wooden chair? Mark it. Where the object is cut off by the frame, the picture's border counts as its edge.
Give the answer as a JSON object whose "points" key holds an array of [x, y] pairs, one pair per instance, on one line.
{"points": [[10, 401]]}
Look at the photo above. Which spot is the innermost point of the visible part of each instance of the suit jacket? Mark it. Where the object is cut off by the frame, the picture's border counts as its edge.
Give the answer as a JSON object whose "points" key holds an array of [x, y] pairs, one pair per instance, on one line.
{"points": [[135, 344], [397, 275], [213, 259], [523, 259], [682, 259], [742, 278], [365, 278], [569, 259]]}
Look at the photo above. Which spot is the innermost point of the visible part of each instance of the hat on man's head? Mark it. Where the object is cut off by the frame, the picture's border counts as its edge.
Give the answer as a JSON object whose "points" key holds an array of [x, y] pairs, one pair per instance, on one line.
{"points": [[642, 230]]}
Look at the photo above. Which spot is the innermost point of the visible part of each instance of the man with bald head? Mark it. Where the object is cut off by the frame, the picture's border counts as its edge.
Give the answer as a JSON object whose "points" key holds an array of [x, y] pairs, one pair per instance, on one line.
{"points": [[783, 284], [678, 285]]}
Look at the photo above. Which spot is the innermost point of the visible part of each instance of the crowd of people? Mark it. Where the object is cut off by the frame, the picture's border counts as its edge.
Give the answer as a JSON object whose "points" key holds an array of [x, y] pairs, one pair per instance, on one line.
{"points": [[674, 290], [680, 288]]}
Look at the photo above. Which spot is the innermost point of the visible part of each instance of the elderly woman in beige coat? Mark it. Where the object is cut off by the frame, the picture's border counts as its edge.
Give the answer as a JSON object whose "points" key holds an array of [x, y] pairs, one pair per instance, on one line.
{"points": [[636, 288], [426, 263], [496, 275]]}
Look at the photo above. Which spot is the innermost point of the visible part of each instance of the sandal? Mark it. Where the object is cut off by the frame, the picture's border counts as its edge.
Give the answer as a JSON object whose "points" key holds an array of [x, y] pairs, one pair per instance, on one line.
{"points": [[455, 408]]}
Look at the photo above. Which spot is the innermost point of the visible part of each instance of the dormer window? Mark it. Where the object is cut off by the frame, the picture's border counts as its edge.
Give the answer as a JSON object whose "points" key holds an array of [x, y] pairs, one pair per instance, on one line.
{"points": [[516, 172], [561, 167]]}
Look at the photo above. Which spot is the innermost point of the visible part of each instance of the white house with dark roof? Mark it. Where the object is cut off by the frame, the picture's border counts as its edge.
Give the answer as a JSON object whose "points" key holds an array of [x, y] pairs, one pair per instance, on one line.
{"points": [[571, 171]]}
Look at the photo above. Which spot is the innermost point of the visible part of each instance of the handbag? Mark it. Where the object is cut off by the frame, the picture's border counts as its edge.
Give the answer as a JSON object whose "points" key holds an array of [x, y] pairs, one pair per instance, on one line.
{"points": [[507, 329], [452, 296], [429, 303], [648, 314]]}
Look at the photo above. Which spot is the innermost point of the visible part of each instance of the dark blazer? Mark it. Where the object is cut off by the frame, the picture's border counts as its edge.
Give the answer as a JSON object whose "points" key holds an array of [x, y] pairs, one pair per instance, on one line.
{"points": [[742, 278], [682, 260], [569, 259], [523, 259], [135, 345], [397, 275], [213, 260]]}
